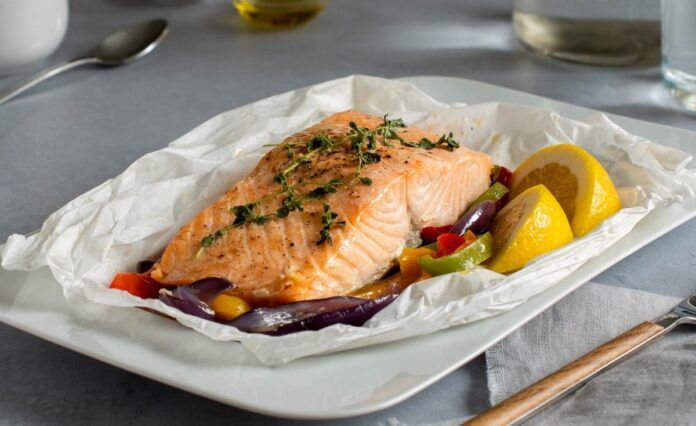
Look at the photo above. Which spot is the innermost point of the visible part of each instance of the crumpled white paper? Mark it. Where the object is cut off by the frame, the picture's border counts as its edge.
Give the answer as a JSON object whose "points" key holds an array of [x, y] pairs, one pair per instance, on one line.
{"points": [[134, 215]]}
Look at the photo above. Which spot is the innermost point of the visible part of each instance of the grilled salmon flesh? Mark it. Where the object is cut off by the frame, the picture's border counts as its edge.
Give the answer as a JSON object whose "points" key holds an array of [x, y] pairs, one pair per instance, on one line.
{"points": [[350, 225]]}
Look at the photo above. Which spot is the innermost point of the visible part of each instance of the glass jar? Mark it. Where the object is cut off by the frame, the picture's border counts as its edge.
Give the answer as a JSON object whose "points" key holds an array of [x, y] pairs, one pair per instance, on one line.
{"points": [[278, 14], [679, 50], [598, 32]]}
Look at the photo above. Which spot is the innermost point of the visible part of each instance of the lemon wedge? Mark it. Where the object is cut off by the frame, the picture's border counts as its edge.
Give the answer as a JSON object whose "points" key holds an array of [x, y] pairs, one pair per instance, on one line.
{"points": [[576, 179], [532, 224]]}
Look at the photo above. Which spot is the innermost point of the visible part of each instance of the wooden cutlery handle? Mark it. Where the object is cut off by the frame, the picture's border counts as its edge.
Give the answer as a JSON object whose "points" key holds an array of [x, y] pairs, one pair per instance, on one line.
{"points": [[528, 401]]}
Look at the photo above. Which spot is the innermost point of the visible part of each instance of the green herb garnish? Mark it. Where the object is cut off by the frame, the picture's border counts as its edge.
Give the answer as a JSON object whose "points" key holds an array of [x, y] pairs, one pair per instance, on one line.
{"points": [[326, 188], [363, 145], [245, 213], [328, 219]]}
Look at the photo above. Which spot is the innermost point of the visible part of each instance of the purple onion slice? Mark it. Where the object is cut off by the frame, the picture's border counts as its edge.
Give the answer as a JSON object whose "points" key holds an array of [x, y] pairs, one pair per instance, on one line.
{"points": [[269, 320], [186, 303], [298, 316], [310, 315], [193, 299], [477, 218], [354, 315]]}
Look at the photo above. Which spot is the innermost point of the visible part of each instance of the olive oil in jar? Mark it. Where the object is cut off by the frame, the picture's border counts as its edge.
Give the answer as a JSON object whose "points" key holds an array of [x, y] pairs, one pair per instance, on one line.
{"points": [[278, 14]]}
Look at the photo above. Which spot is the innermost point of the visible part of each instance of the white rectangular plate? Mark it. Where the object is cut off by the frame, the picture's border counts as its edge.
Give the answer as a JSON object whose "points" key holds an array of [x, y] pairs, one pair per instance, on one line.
{"points": [[338, 385]]}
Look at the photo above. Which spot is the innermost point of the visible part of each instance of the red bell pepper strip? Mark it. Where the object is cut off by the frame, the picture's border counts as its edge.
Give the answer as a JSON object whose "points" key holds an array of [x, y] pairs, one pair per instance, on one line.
{"points": [[448, 243], [502, 175], [140, 285], [429, 234]]}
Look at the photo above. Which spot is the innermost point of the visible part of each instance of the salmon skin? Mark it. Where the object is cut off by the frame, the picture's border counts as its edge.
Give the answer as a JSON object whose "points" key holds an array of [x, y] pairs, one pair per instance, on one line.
{"points": [[282, 259]]}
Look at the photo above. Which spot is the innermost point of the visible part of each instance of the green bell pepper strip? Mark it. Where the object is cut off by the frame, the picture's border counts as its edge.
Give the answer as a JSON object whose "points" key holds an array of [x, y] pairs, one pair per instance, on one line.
{"points": [[463, 260], [494, 193]]}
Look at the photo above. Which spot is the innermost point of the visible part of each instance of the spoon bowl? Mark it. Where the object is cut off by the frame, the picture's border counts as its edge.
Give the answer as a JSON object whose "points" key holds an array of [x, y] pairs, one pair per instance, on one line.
{"points": [[130, 43], [118, 48]]}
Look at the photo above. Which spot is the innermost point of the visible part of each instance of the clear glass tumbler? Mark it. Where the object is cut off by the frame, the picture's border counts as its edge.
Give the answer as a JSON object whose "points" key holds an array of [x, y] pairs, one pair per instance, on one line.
{"points": [[679, 50], [598, 32]]}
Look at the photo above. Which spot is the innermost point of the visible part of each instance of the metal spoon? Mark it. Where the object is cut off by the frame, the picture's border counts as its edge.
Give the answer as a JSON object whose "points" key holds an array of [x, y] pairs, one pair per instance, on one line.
{"points": [[119, 48]]}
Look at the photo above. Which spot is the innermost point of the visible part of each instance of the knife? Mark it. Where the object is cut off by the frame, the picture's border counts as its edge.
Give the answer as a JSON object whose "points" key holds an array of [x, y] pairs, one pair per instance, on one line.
{"points": [[531, 400]]}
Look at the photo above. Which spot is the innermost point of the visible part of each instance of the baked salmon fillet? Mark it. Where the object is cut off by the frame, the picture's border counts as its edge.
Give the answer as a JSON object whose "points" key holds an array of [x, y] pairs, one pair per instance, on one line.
{"points": [[327, 211]]}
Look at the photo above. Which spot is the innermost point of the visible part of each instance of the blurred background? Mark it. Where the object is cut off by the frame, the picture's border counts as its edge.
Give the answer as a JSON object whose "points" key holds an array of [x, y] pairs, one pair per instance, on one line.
{"points": [[74, 131], [213, 60]]}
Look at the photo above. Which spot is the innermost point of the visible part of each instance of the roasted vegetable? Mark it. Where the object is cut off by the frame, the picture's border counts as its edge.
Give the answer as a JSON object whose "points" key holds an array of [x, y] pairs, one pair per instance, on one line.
{"points": [[193, 299], [502, 175], [310, 315], [228, 307], [393, 284], [495, 193], [448, 243], [429, 234], [140, 285], [461, 260], [408, 262], [469, 237], [477, 219]]}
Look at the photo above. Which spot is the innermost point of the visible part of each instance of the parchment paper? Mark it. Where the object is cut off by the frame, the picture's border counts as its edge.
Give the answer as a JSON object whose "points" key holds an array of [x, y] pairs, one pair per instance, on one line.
{"points": [[134, 215]]}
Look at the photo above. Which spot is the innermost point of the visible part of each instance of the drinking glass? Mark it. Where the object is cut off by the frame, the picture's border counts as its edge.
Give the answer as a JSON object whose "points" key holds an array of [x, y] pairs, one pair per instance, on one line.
{"points": [[679, 50], [598, 32]]}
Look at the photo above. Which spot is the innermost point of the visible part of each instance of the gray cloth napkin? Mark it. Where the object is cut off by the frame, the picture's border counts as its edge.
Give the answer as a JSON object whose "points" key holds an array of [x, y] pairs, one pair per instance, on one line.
{"points": [[655, 386]]}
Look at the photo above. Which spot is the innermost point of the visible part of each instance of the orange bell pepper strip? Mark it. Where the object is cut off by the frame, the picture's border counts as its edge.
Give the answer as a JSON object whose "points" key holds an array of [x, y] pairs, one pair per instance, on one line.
{"points": [[408, 262]]}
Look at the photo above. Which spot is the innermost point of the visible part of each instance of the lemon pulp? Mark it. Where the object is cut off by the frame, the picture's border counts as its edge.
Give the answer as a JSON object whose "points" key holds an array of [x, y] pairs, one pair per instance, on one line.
{"points": [[533, 223], [576, 179]]}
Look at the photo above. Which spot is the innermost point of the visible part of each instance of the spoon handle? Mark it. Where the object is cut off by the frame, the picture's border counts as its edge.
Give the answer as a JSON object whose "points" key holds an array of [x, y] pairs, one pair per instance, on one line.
{"points": [[37, 78]]}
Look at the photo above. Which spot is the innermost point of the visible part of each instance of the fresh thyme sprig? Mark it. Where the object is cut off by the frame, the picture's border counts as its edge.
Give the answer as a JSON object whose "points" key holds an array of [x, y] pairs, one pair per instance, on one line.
{"points": [[326, 188], [209, 240], [363, 145], [388, 130], [328, 219], [447, 141], [245, 213], [292, 201]]}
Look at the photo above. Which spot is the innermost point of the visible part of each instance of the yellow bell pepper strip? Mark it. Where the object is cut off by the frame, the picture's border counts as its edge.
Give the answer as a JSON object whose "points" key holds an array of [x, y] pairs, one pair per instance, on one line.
{"points": [[228, 307], [410, 272], [408, 262], [462, 260]]}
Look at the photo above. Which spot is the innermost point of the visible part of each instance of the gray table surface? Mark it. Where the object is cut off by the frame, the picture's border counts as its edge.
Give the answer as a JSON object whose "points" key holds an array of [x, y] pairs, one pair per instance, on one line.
{"points": [[70, 134]]}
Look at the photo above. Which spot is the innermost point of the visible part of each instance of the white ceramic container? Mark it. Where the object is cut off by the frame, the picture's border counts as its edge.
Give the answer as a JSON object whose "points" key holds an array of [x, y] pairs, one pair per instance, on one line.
{"points": [[30, 30]]}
